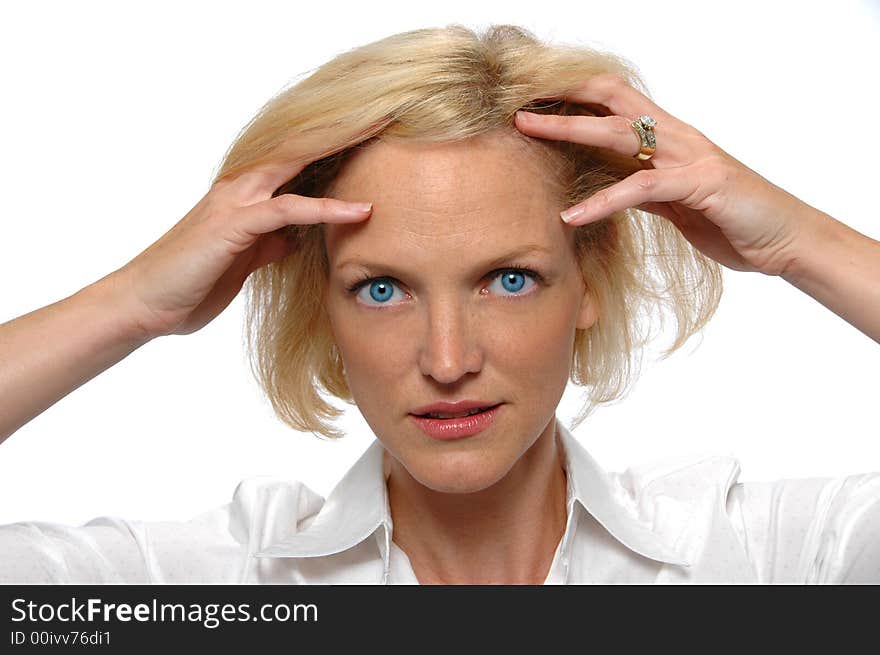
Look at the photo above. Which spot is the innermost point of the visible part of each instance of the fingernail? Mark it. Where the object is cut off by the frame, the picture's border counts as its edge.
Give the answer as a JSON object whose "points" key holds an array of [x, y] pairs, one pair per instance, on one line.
{"points": [[361, 206], [525, 116], [572, 213]]}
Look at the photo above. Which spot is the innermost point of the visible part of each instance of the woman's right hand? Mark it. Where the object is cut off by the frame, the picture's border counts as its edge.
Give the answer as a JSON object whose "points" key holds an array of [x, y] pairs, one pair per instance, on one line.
{"points": [[191, 274]]}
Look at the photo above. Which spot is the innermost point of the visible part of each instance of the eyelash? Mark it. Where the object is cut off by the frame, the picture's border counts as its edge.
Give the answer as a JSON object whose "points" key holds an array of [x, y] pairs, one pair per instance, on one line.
{"points": [[514, 268]]}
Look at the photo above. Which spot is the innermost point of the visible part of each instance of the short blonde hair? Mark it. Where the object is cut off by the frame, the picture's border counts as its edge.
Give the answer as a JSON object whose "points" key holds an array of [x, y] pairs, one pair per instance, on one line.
{"points": [[441, 85]]}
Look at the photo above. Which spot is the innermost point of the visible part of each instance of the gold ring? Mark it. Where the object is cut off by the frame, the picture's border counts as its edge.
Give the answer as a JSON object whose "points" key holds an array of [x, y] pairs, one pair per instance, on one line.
{"points": [[644, 129]]}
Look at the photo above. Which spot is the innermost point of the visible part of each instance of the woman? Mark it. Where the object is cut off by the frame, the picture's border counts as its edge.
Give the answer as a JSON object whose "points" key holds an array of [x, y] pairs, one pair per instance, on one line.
{"points": [[461, 291]]}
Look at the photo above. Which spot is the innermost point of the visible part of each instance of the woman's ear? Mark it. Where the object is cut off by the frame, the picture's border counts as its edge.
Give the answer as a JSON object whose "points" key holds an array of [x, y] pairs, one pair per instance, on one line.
{"points": [[588, 313]]}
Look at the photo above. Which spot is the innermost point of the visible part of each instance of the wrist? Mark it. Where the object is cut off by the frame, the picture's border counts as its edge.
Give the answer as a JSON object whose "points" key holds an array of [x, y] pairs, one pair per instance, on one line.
{"points": [[110, 297], [819, 239], [839, 267]]}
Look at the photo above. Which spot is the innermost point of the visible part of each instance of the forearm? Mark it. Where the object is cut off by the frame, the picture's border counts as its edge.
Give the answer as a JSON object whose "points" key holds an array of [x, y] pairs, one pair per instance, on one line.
{"points": [[839, 267], [46, 354]]}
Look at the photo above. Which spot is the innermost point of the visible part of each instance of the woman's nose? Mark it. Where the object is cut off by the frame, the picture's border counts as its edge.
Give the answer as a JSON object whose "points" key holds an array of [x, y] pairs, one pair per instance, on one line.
{"points": [[450, 348]]}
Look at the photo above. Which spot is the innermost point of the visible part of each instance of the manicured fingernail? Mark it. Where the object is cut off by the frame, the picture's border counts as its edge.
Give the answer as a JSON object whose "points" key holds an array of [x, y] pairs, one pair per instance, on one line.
{"points": [[570, 214]]}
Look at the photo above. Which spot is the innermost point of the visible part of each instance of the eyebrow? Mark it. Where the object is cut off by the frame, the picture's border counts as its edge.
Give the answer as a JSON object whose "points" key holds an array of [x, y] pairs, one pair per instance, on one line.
{"points": [[520, 251]]}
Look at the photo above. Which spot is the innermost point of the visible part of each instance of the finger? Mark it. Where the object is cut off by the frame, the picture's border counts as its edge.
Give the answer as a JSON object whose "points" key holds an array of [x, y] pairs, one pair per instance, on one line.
{"points": [[271, 175], [291, 209], [621, 98], [260, 182], [649, 185], [288, 159], [611, 132]]}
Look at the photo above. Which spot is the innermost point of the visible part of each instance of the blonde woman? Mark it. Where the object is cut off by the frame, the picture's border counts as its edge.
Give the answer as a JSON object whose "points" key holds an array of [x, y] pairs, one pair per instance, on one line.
{"points": [[452, 313]]}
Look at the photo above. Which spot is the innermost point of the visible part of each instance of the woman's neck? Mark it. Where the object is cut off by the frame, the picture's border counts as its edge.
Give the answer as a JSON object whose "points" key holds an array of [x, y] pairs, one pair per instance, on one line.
{"points": [[504, 534]]}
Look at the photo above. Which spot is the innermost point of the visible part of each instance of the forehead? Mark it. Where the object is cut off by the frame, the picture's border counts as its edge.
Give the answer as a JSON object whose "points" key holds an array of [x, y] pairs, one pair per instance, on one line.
{"points": [[469, 195]]}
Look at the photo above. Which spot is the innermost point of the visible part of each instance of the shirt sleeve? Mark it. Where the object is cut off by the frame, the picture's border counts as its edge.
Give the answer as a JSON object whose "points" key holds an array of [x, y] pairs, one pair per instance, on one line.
{"points": [[113, 550], [104, 550], [812, 530], [213, 547]]}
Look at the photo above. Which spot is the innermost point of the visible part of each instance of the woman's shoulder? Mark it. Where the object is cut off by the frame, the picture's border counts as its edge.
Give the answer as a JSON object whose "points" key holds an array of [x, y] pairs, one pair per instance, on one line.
{"points": [[793, 529], [262, 499], [208, 546], [710, 484], [265, 487], [258, 506], [682, 478], [685, 476]]}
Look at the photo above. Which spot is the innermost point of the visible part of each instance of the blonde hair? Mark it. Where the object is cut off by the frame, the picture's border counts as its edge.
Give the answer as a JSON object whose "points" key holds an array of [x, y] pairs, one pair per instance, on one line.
{"points": [[440, 85]]}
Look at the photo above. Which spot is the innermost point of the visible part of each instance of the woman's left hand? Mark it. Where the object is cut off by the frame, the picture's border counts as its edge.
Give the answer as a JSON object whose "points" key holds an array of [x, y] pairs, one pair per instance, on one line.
{"points": [[725, 209]]}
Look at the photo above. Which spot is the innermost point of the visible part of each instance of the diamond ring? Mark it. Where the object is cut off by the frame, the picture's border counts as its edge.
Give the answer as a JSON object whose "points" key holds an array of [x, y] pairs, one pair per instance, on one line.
{"points": [[644, 128]]}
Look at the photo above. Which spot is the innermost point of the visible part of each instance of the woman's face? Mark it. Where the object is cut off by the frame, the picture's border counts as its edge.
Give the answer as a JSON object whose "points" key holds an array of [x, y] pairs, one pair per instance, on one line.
{"points": [[446, 321]]}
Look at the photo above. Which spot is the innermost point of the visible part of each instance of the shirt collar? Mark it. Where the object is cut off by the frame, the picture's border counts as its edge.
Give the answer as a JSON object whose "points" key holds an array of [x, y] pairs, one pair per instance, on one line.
{"points": [[355, 508], [593, 488], [358, 506]]}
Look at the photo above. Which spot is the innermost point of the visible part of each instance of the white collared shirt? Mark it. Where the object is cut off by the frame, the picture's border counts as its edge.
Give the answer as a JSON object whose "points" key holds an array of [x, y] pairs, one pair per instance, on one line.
{"points": [[682, 522]]}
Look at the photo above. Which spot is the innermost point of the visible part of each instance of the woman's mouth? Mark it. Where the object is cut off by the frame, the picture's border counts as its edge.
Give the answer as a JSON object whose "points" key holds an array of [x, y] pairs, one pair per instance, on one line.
{"points": [[470, 412], [455, 426]]}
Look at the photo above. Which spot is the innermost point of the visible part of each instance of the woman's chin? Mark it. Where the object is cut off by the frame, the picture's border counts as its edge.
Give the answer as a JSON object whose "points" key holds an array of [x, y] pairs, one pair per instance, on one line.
{"points": [[459, 474]]}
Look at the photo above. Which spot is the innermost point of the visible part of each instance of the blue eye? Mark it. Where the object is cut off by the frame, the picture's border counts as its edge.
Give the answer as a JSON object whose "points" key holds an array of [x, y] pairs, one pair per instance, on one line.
{"points": [[381, 289], [514, 280]]}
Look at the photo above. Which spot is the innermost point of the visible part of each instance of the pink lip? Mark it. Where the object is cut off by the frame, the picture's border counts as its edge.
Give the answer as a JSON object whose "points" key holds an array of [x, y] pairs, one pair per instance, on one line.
{"points": [[453, 407], [456, 428]]}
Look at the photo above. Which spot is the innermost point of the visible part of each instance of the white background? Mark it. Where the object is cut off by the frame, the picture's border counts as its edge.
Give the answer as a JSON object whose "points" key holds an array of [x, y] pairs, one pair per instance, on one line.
{"points": [[114, 119]]}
